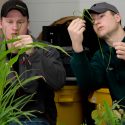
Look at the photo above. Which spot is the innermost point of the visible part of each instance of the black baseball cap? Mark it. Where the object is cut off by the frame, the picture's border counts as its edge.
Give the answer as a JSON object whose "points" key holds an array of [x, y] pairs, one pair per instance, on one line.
{"points": [[14, 4], [102, 7]]}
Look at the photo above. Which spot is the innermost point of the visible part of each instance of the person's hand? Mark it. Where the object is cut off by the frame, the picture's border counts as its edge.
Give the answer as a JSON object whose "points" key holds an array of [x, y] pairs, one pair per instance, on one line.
{"points": [[24, 41], [76, 29], [120, 49]]}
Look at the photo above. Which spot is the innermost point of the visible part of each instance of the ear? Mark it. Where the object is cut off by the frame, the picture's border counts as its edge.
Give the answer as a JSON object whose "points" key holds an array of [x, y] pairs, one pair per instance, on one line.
{"points": [[118, 17]]}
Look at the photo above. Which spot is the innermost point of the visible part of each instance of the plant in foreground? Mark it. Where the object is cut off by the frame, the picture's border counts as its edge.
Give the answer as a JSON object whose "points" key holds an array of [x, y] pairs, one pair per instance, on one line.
{"points": [[11, 107], [107, 115]]}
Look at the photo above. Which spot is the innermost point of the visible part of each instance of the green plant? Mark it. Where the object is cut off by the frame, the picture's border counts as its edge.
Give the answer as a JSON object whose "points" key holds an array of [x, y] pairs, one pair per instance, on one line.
{"points": [[107, 115], [11, 107]]}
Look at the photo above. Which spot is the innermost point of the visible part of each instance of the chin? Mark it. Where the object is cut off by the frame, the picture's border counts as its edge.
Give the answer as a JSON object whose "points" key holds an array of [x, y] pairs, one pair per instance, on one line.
{"points": [[101, 35]]}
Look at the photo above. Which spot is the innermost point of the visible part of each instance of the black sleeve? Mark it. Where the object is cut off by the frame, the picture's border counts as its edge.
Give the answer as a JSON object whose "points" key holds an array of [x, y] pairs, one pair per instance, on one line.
{"points": [[48, 64]]}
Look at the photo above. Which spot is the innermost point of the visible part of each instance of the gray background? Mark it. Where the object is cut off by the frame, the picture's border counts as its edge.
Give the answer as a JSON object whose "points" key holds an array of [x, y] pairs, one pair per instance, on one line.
{"points": [[45, 12]]}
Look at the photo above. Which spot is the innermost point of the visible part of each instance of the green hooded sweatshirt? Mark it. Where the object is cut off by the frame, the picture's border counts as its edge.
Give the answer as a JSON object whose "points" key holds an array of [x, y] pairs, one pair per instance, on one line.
{"points": [[103, 70]]}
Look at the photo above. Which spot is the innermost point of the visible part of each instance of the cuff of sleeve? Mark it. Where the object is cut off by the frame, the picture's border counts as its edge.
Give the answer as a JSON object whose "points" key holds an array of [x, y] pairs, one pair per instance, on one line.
{"points": [[79, 55]]}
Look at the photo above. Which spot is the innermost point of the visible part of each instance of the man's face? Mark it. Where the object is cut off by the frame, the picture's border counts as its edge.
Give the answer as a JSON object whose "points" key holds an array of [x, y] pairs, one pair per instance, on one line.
{"points": [[14, 24], [105, 23]]}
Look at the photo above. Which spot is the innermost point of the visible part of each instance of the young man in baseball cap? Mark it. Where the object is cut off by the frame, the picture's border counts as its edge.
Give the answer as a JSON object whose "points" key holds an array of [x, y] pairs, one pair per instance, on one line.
{"points": [[34, 62], [107, 66]]}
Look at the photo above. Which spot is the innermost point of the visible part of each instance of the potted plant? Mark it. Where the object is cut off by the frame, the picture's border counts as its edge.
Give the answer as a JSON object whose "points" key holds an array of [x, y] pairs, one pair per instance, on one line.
{"points": [[11, 107]]}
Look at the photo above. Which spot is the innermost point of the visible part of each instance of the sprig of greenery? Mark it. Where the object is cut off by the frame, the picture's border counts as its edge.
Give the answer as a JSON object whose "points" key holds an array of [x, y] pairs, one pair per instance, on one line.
{"points": [[11, 107]]}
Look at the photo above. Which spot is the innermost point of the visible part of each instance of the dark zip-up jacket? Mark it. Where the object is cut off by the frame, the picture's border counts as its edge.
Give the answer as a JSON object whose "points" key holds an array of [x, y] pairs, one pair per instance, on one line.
{"points": [[104, 70], [49, 65]]}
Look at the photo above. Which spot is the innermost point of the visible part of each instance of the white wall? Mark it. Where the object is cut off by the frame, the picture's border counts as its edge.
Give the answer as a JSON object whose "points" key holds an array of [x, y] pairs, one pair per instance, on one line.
{"points": [[45, 12]]}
